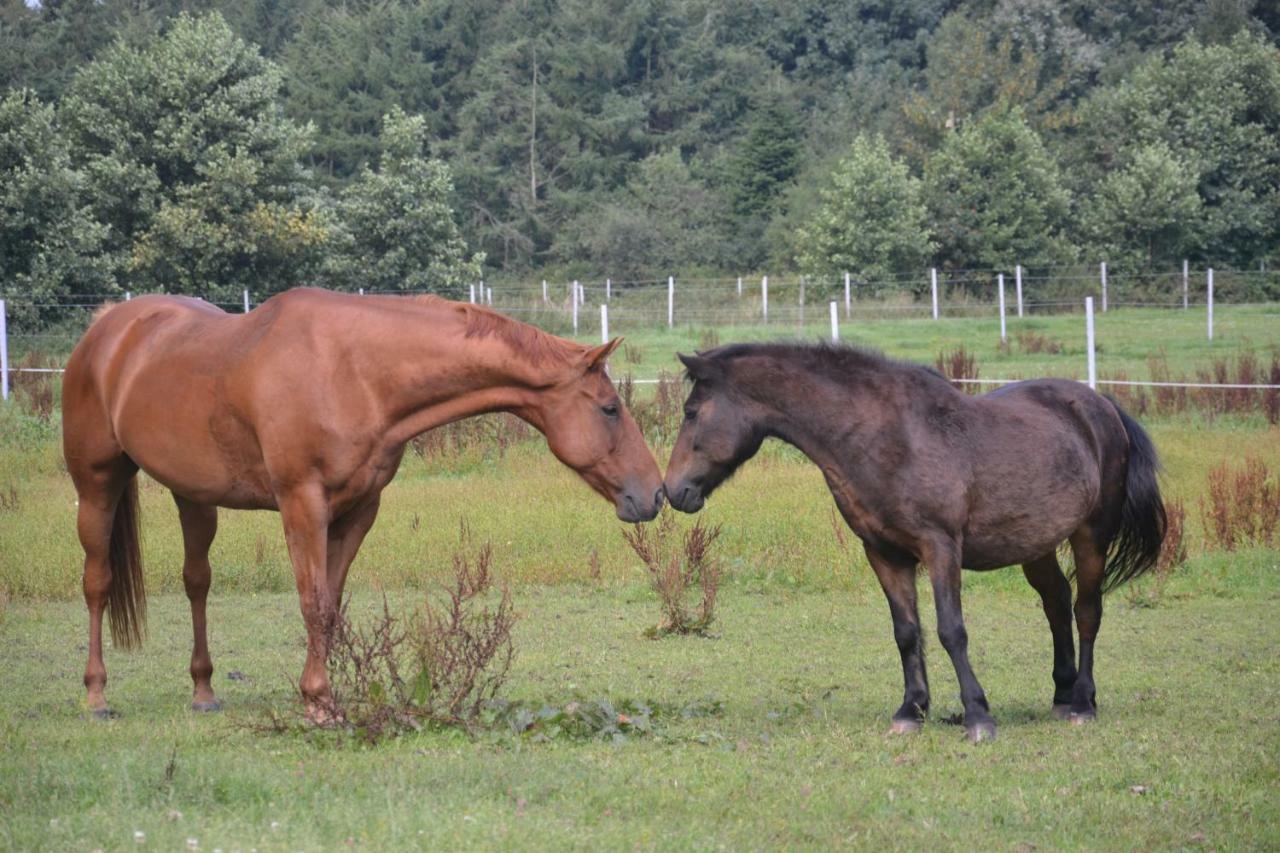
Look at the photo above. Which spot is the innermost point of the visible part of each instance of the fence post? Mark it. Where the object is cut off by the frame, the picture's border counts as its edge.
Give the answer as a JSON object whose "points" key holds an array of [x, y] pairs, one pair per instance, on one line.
{"points": [[764, 297], [608, 289], [362, 291], [1088, 337], [835, 322], [128, 294], [802, 281], [574, 300], [671, 301], [1002, 331], [933, 285], [4, 354], [1210, 303], [473, 293], [1017, 273], [739, 285], [246, 300], [1185, 270], [604, 323], [1103, 270], [544, 290], [848, 299], [488, 296]]}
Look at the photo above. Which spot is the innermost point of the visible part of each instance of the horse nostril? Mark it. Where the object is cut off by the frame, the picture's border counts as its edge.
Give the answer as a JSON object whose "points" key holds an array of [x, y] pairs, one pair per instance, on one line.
{"points": [[630, 501], [658, 497]]}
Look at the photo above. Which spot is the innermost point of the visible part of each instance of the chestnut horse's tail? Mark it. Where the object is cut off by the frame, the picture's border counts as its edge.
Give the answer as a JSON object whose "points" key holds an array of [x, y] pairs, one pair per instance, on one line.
{"points": [[1136, 546], [127, 595]]}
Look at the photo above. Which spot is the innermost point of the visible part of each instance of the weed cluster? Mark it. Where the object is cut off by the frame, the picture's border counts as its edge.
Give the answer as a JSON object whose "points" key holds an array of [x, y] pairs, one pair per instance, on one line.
{"points": [[478, 435], [959, 364], [1244, 369], [675, 564], [35, 392], [9, 498], [660, 416], [1243, 507], [1033, 342]]}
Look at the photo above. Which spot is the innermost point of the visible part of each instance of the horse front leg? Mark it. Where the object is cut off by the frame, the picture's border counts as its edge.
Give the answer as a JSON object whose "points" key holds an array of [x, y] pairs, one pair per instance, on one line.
{"points": [[898, 580], [305, 514], [943, 560]]}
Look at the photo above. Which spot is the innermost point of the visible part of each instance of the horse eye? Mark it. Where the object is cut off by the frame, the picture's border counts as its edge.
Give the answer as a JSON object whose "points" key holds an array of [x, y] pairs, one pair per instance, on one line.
{"points": [[610, 410], [690, 414]]}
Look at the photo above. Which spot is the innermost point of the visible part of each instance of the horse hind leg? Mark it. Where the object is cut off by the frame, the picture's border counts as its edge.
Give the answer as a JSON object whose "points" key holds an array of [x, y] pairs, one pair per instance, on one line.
{"points": [[1046, 577], [199, 526], [1090, 557]]}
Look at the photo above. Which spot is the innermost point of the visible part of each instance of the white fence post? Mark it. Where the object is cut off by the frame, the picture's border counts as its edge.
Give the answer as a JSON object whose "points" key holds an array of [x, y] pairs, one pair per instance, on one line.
{"points": [[1185, 284], [1088, 337], [671, 301], [848, 298], [1002, 330], [488, 296], [802, 281], [835, 322], [739, 285], [608, 290], [764, 297], [933, 284], [604, 323], [473, 293], [246, 300], [362, 291], [1103, 270], [544, 290], [4, 354], [1210, 303], [574, 300], [1017, 273], [128, 294]]}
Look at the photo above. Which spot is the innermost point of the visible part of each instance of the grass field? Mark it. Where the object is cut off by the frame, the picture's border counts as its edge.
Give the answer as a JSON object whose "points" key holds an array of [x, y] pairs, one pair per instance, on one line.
{"points": [[1186, 752]]}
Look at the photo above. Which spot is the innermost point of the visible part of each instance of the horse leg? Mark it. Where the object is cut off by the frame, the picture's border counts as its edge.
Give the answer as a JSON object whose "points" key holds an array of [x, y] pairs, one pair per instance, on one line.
{"points": [[305, 515], [898, 580], [1045, 576], [199, 525], [345, 537], [100, 490], [943, 559], [1090, 557]]}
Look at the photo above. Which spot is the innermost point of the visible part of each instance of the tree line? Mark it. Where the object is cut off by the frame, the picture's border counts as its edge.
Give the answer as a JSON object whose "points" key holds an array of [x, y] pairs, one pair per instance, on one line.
{"points": [[390, 144]]}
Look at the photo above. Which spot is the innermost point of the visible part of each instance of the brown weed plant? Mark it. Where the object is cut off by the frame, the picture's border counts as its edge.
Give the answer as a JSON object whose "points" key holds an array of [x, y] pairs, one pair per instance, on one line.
{"points": [[1242, 507], [1246, 368], [959, 364], [1033, 342], [660, 415], [677, 563], [438, 666], [35, 392], [9, 498], [481, 434]]}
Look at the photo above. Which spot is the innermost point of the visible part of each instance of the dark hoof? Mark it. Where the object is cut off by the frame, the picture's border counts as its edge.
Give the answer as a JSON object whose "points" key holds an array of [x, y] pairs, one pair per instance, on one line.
{"points": [[104, 714], [1080, 718], [905, 727], [206, 707], [978, 732], [1061, 710]]}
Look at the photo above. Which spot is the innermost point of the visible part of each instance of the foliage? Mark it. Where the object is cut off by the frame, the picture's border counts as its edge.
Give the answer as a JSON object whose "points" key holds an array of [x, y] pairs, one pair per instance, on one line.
{"points": [[996, 197], [50, 247], [396, 229], [871, 220], [675, 563]]}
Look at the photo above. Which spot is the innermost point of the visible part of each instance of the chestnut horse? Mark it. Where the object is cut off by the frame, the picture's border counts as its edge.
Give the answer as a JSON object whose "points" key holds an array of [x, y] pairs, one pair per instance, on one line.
{"points": [[925, 474], [304, 406]]}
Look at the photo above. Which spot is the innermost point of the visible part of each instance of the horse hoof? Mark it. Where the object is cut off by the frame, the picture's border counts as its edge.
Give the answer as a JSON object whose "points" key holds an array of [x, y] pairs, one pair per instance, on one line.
{"points": [[905, 727], [1061, 710], [1080, 718], [979, 732], [207, 707], [104, 714]]}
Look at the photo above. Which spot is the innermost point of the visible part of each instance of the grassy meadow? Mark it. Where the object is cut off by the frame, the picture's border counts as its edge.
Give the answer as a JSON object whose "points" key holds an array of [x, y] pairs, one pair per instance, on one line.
{"points": [[802, 672]]}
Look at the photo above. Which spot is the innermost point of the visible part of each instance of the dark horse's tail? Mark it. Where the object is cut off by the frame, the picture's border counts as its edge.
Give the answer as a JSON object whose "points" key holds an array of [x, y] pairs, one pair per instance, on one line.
{"points": [[1136, 546], [127, 596]]}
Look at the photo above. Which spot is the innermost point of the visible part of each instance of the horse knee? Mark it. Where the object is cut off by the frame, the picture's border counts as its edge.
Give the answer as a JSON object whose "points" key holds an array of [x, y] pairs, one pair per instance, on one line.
{"points": [[953, 637], [196, 579], [907, 636]]}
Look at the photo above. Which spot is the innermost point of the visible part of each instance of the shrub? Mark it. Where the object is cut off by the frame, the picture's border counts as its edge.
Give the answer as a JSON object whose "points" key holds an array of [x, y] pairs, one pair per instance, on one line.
{"points": [[1243, 507], [676, 564]]}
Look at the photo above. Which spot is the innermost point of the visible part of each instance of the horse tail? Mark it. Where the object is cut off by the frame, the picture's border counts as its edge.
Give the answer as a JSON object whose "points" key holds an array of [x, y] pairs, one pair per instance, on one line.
{"points": [[1136, 546], [127, 595]]}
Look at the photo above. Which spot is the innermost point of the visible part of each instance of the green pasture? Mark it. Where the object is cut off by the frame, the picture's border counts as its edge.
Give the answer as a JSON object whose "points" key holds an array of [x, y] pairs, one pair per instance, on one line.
{"points": [[803, 669]]}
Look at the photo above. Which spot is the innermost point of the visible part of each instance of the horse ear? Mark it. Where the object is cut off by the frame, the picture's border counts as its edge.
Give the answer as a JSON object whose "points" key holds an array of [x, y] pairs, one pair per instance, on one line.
{"points": [[596, 357], [698, 366]]}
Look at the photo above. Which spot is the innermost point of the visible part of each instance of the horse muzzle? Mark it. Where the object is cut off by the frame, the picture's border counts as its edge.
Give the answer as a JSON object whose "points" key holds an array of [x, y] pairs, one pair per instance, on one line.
{"points": [[686, 497], [633, 507]]}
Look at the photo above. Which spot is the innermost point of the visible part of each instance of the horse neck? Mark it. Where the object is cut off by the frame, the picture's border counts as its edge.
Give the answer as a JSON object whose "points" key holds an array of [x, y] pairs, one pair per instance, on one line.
{"points": [[436, 373]]}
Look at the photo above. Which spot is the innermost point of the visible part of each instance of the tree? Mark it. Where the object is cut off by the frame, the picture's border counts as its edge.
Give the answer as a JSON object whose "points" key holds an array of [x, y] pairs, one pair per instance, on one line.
{"points": [[871, 220], [396, 229], [995, 197], [49, 245], [1147, 213], [191, 166]]}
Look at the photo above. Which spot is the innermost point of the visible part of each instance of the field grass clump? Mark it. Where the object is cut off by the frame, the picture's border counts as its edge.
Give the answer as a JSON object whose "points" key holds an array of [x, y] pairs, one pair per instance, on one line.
{"points": [[678, 563]]}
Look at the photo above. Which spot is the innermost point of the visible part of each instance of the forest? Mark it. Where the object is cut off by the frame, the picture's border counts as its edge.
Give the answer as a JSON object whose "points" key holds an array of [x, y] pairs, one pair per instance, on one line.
{"points": [[200, 147]]}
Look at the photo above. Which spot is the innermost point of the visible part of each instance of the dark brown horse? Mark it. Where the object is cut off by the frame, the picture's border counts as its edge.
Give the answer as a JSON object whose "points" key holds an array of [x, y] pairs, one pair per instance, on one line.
{"points": [[304, 405], [923, 473]]}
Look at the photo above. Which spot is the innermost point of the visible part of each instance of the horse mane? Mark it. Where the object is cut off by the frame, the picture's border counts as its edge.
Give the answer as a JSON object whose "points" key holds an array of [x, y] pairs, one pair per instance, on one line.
{"points": [[532, 343], [840, 363]]}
